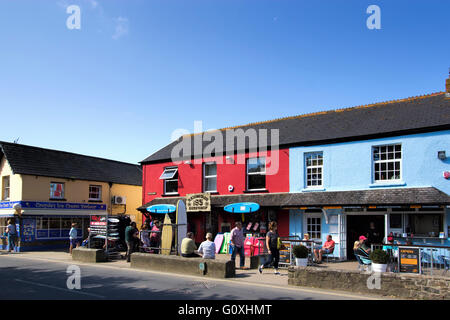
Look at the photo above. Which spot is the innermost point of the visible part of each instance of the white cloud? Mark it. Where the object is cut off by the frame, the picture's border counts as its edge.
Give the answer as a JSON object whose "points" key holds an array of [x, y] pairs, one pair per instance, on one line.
{"points": [[121, 27]]}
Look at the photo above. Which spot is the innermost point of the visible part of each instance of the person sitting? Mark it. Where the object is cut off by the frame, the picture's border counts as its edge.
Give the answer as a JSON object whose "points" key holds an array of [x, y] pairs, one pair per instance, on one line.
{"points": [[327, 248], [363, 247], [208, 248], [188, 246]]}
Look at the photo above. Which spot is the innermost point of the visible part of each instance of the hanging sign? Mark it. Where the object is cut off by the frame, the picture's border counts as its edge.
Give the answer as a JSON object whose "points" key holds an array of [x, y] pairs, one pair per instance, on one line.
{"points": [[198, 202], [409, 260], [162, 208], [242, 207]]}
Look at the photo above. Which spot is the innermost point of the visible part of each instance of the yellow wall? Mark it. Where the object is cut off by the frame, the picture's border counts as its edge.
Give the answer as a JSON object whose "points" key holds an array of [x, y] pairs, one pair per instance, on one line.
{"points": [[37, 188], [15, 181]]}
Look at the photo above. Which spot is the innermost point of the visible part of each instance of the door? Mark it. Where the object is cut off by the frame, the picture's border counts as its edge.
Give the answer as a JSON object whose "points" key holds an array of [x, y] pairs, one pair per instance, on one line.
{"points": [[342, 236]]}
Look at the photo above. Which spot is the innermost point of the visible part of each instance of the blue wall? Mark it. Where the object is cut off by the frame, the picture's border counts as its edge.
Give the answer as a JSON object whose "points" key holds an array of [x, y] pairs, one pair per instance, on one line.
{"points": [[348, 166]]}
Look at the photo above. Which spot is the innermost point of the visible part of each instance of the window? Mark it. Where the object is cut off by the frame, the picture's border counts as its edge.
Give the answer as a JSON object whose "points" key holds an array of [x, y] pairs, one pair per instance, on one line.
{"points": [[5, 188], [425, 225], [58, 227], [95, 192], [314, 169], [56, 190], [395, 220], [170, 177], [313, 227], [387, 162], [256, 173], [210, 177]]}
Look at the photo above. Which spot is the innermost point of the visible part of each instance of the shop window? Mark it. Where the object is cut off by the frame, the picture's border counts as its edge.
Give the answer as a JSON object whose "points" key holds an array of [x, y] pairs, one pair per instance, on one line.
{"points": [[256, 173], [170, 177], [425, 225], [387, 162], [95, 193], [210, 177], [56, 190], [5, 188], [314, 169], [395, 221], [313, 227]]}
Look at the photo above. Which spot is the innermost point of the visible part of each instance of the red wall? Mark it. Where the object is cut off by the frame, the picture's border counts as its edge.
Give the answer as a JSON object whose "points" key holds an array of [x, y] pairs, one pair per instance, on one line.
{"points": [[190, 177]]}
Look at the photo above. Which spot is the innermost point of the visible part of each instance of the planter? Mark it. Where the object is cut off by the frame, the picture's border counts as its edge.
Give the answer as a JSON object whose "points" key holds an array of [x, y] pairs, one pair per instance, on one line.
{"points": [[299, 262], [377, 267]]}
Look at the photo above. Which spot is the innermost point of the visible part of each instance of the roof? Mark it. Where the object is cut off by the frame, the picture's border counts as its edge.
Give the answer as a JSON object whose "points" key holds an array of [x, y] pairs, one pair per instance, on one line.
{"points": [[395, 196], [60, 164], [412, 115]]}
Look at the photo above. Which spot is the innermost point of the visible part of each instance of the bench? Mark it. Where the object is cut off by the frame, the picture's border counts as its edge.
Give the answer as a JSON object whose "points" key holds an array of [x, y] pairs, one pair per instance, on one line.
{"points": [[189, 266]]}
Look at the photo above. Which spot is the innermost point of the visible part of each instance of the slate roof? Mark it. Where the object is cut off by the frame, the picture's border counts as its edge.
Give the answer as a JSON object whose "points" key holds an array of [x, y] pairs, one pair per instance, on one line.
{"points": [[394, 196], [60, 164], [392, 118]]}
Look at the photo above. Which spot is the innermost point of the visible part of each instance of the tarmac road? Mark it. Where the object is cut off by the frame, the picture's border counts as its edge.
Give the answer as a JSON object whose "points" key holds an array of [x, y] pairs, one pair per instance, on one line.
{"points": [[29, 279]]}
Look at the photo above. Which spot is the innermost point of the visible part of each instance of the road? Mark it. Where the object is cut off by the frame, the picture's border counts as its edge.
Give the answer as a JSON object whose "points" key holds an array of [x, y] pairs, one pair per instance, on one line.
{"points": [[30, 279]]}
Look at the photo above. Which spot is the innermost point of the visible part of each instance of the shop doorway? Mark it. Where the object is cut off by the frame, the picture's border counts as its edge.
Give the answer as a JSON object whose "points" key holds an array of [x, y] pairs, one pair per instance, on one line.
{"points": [[358, 225]]}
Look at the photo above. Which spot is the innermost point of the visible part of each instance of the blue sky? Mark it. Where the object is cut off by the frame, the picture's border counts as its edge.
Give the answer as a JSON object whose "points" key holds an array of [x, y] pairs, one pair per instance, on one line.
{"points": [[139, 69]]}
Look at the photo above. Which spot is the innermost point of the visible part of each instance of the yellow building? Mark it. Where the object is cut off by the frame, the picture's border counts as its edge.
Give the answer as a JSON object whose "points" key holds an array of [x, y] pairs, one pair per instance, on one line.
{"points": [[45, 191]]}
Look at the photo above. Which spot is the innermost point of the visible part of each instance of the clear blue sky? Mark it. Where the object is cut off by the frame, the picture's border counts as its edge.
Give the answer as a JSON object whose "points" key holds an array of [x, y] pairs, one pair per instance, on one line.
{"points": [[139, 69]]}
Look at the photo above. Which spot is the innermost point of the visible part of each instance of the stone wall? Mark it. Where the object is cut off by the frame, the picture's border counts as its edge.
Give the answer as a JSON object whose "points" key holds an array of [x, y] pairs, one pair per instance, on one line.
{"points": [[89, 255], [407, 286], [176, 264]]}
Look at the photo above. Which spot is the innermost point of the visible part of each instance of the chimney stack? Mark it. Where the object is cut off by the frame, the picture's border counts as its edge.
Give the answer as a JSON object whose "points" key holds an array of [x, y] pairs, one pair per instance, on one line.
{"points": [[447, 85]]}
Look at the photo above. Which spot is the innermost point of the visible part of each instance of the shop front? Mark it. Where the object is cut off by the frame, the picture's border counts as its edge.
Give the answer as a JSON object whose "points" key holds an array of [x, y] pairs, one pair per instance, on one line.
{"points": [[206, 213], [46, 225]]}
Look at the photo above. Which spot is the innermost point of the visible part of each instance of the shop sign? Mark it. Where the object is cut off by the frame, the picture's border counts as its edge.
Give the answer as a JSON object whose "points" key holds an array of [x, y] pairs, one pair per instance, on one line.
{"points": [[98, 225], [409, 260], [198, 202], [53, 205], [28, 230]]}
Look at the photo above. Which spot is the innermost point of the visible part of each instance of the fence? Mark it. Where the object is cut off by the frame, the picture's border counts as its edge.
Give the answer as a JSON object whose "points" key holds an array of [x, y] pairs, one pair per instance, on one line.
{"points": [[434, 260]]}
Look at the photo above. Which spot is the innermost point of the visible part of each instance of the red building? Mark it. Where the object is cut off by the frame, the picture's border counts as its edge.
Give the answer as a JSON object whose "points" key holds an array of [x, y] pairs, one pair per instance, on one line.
{"points": [[240, 177]]}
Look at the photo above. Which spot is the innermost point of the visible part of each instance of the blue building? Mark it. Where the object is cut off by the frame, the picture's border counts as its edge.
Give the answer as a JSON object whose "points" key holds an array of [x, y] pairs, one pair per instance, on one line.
{"points": [[373, 170]]}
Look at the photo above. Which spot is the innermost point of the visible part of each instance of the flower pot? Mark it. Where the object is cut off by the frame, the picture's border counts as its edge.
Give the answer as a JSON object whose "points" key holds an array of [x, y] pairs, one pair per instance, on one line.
{"points": [[377, 267], [300, 262]]}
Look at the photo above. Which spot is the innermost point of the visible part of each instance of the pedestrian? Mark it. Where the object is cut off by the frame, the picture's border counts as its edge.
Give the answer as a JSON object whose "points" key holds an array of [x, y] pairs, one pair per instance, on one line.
{"points": [[131, 235], [188, 246], [208, 248], [237, 244], [73, 235], [155, 236], [12, 235], [272, 244]]}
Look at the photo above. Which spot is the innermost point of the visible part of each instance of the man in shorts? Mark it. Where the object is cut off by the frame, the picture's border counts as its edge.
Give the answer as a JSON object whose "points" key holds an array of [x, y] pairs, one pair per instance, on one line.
{"points": [[327, 248]]}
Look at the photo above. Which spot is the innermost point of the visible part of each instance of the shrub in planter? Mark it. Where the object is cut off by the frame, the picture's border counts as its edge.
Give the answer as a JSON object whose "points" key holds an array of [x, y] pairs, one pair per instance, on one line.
{"points": [[300, 252], [379, 256]]}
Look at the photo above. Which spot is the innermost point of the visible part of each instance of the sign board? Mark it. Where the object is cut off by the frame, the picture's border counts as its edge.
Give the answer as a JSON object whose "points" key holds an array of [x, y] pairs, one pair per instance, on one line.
{"points": [[29, 228], [198, 202], [409, 260], [98, 225]]}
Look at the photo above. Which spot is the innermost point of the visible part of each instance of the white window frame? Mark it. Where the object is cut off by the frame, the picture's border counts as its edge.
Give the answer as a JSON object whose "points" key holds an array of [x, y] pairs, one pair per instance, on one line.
{"points": [[256, 173], [169, 179], [316, 215], [4, 188], [316, 154], [387, 161], [99, 192], [63, 190], [205, 177]]}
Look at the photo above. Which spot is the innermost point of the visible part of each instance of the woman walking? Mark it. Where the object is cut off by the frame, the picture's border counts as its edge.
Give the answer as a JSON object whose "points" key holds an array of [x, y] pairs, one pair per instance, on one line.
{"points": [[272, 244]]}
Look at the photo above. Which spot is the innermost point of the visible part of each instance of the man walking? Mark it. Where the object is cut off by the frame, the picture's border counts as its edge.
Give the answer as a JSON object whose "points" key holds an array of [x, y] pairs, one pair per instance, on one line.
{"points": [[131, 233], [237, 244]]}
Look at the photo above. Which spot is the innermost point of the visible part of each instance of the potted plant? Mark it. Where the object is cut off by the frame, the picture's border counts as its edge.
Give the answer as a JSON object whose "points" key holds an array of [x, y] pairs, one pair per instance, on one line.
{"points": [[379, 259], [301, 255]]}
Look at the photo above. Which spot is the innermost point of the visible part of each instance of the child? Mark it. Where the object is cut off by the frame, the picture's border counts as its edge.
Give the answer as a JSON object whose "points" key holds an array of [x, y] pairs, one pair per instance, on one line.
{"points": [[73, 237]]}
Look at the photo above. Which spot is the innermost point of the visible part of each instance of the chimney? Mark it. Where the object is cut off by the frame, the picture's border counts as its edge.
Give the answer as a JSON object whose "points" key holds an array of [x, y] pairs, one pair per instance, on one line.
{"points": [[447, 85]]}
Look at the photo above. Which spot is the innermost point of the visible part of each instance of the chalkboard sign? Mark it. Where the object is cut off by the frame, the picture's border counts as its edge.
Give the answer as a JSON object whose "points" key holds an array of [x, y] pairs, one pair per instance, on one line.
{"points": [[409, 260]]}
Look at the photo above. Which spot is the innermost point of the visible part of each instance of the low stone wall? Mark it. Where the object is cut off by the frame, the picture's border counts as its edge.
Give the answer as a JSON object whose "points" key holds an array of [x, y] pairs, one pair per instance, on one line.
{"points": [[89, 255], [407, 286], [176, 264]]}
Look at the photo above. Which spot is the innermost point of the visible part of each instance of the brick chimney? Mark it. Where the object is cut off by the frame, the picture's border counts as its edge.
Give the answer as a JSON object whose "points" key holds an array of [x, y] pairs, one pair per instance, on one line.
{"points": [[447, 85]]}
